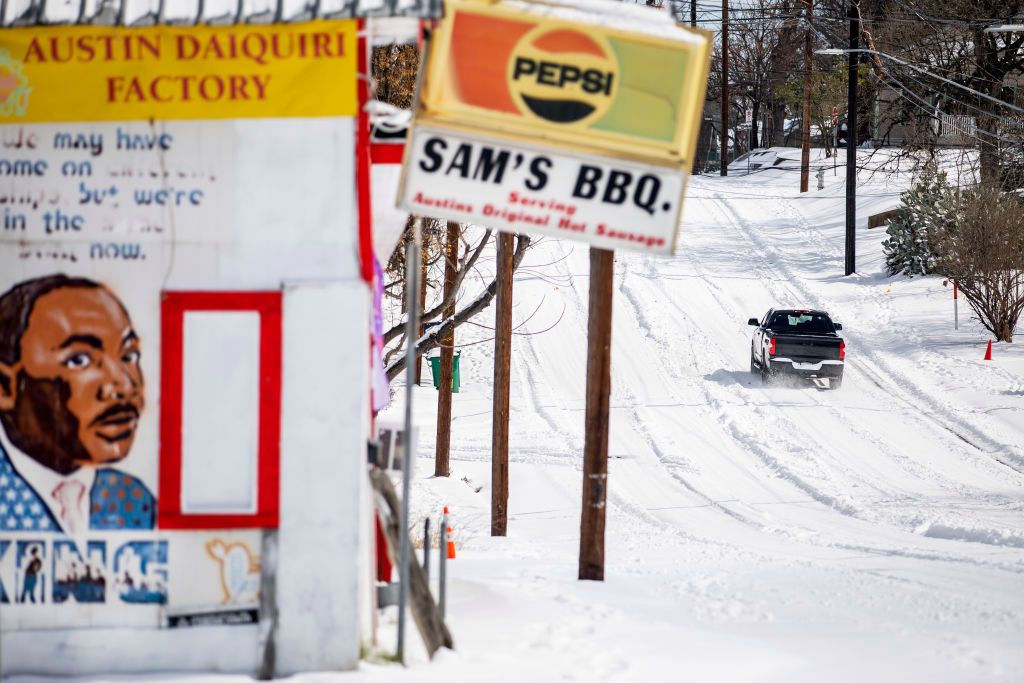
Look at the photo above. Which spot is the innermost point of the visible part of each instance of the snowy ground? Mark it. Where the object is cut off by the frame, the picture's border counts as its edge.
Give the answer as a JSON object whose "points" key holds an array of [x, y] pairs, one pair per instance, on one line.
{"points": [[754, 533]]}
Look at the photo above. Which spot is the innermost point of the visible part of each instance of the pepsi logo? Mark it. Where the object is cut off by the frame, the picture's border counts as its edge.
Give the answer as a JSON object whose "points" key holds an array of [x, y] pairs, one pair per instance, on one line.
{"points": [[563, 76]]}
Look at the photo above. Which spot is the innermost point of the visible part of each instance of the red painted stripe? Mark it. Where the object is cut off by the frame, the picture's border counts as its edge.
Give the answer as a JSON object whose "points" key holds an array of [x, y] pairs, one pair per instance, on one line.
{"points": [[171, 364], [382, 153], [365, 207]]}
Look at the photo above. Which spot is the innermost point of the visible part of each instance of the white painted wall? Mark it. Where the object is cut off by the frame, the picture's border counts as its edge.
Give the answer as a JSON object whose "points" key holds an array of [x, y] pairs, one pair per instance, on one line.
{"points": [[278, 206], [325, 419]]}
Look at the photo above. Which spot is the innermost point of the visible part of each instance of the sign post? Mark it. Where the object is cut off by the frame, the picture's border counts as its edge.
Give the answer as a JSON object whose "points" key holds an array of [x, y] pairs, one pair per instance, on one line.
{"points": [[535, 118], [956, 310], [835, 137]]}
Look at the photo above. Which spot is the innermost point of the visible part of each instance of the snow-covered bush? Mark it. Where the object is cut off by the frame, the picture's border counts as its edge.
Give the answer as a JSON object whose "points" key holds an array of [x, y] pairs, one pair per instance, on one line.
{"points": [[928, 208]]}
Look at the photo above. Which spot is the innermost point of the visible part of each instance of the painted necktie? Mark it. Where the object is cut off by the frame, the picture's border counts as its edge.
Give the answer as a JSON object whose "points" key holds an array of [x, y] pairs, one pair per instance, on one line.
{"points": [[69, 495]]}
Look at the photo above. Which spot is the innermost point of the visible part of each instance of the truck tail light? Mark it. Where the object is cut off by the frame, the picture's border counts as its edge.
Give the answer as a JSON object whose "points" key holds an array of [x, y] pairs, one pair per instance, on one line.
{"points": [[771, 347], [842, 349]]}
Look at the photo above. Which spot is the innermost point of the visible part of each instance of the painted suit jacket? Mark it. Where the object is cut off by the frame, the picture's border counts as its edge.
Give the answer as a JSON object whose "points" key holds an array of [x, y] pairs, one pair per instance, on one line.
{"points": [[116, 501]]}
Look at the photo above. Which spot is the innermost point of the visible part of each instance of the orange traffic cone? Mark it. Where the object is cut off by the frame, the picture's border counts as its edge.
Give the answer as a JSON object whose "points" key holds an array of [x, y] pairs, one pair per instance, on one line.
{"points": [[988, 351], [451, 543]]}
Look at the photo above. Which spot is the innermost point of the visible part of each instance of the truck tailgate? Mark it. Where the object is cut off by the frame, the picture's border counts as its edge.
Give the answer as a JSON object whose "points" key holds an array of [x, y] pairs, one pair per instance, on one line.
{"points": [[807, 348]]}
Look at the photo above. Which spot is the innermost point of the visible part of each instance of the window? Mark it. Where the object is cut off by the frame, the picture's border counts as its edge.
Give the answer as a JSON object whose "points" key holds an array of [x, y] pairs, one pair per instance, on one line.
{"points": [[801, 322]]}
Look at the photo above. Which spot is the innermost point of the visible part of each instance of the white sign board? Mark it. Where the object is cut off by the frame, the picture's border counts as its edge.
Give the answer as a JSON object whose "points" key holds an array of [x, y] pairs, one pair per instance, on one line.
{"points": [[606, 202]]}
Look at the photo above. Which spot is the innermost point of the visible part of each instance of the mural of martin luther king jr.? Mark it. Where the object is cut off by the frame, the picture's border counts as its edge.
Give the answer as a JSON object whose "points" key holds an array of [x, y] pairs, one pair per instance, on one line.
{"points": [[71, 395]]}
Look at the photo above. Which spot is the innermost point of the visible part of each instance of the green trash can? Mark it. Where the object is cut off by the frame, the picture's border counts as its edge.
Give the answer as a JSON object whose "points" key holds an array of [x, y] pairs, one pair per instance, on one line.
{"points": [[435, 370]]}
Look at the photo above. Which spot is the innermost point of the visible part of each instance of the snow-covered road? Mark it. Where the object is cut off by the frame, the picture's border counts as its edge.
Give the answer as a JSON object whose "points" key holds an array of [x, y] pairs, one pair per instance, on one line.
{"points": [[755, 533]]}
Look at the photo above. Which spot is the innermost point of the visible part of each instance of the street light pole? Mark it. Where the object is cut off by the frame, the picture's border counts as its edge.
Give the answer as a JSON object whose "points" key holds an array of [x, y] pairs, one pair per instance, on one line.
{"points": [[851, 142]]}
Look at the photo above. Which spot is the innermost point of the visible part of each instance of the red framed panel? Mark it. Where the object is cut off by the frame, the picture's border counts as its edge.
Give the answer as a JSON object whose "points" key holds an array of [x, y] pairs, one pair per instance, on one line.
{"points": [[173, 307], [363, 159]]}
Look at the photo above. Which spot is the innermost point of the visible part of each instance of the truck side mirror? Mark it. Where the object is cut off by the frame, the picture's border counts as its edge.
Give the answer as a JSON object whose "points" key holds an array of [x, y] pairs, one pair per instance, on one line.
{"points": [[753, 321], [837, 326]]}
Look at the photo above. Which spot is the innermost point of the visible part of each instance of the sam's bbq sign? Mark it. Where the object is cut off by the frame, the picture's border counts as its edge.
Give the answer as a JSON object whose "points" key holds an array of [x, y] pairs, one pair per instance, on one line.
{"points": [[607, 202]]}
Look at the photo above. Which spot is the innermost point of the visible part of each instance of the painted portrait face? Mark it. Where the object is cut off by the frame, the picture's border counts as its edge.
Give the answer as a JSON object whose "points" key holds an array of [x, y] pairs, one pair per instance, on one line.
{"points": [[77, 390]]}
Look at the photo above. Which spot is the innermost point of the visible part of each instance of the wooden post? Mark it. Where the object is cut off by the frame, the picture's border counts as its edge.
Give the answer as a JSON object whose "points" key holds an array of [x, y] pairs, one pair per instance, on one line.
{"points": [[424, 256], [442, 450], [805, 128], [695, 167], [428, 618], [502, 380], [599, 385], [725, 88]]}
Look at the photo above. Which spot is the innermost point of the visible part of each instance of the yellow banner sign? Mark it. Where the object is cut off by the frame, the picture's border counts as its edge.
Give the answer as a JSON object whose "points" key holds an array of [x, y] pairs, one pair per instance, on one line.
{"points": [[94, 73], [523, 70]]}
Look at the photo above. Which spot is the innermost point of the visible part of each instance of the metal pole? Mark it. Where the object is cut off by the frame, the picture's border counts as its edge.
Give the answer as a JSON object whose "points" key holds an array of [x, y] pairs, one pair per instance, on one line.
{"points": [[426, 549], [956, 312], [442, 570], [851, 145], [412, 325]]}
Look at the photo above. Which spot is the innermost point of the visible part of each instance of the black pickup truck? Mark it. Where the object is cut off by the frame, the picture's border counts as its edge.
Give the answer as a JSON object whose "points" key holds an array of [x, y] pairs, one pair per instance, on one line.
{"points": [[798, 342]]}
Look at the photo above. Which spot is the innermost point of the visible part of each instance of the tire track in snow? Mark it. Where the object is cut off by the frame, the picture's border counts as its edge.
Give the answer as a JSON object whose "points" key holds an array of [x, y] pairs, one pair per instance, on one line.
{"points": [[870, 363], [940, 364], [721, 414], [744, 439], [778, 286]]}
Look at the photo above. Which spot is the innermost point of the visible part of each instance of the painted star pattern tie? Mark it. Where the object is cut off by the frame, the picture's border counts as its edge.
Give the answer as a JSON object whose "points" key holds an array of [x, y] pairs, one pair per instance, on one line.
{"points": [[20, 507]]}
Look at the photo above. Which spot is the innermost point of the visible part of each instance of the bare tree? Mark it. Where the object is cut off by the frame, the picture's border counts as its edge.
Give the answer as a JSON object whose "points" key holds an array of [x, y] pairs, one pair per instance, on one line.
{"points": [[394, 80], [947, 38], [828, 90], [983, 249], [480, 302], [758, 57]]}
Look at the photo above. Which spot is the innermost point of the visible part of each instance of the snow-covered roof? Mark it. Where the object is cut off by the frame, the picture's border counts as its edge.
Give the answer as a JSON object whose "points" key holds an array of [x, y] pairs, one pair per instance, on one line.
{"points": [[149, 12], [612, 14]]}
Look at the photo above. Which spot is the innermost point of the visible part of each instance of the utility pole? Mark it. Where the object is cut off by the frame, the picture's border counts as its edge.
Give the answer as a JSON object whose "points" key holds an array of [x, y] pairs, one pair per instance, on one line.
{"points": [[805, 134], [599, 387], [695, 169], [725, 87], [851, 141], [424, 265], [442, 448], [502, 380]]}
